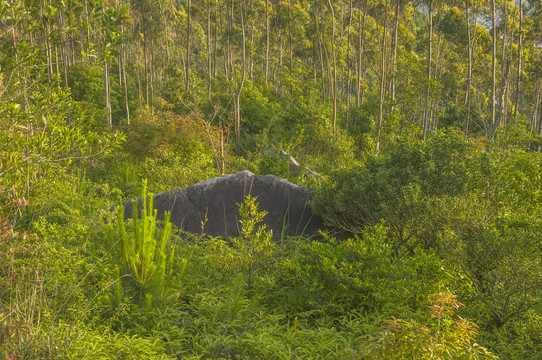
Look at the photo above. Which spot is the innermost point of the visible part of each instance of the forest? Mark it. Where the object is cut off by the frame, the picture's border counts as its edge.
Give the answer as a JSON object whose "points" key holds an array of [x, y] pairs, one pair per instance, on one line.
{"points": [[423, 118]]}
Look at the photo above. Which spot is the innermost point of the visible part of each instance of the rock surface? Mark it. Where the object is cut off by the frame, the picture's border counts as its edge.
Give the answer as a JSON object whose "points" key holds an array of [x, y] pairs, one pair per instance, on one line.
{"points": [[286, 203], [294, 166]]}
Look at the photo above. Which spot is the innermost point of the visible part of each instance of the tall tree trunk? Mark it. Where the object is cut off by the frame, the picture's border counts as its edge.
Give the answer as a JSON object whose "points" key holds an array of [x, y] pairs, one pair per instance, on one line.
{"points": [[152, 73], [63, 49], [493, 123], [334, 84], [278, 84], [231, 63], [314, 58], [361, 50], [57, 61], [123, 66], [188, 28], [46, 31], [145, 55], [290, 38], [266, 41], [251, 67], [65, 59], [226, 42], [140, 90], [166, 40], [534, 125], [469, 68], [88, 21], [502, 112], [328, 63], [349, 63], [107, 95], [209, 58], [518, 79], [382, 77], [321, 52], [395, 45], [441, 44], [215, 46], [241, 82], [429, 58], [291, 64]]}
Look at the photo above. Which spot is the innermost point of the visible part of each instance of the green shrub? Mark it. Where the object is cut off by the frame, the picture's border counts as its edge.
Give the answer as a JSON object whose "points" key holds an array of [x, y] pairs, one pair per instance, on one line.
{"points": [[359, 273], [399, 187], [254, 246]]}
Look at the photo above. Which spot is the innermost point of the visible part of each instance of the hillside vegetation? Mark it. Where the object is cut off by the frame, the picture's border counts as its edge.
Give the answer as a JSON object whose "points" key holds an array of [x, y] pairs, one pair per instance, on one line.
{"points": [[423, 118]]}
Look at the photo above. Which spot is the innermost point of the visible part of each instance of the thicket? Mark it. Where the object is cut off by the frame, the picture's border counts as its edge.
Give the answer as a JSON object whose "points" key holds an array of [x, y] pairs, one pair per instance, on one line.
{"points": [[423, 221], [96, 96], [477, 206]]}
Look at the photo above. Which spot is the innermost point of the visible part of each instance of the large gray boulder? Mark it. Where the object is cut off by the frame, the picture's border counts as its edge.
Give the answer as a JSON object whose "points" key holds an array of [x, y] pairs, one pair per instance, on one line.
{"points": [[286, 203]]}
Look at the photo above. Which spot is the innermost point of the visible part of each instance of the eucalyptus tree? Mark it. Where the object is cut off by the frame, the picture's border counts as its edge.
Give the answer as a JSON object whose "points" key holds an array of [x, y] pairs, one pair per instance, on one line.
{"points": [[394, 51], [209, 52], [188, 29], [143, 7], [382, 74], [111, 22], [429, 59], [237, 106], [361, 39], [493, 122], [44, 132], [472, 7], [334, 81], [267, 30]]}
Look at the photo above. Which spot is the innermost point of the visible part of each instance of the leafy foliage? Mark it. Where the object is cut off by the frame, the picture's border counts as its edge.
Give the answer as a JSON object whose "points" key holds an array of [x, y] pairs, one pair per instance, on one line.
{"points": [[349, 89], [254, 245], [398, 187], [361, 273], [444, 336]]}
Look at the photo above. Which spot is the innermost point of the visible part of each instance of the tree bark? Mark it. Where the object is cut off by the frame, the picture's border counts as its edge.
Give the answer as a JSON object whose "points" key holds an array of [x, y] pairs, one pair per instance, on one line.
{"points": [[334, 83], [215, 46], [349, 63], [209, 61], [395, 45], [266, 41], [518, 79], [241, 82], [251, 67], [321, 52], [361, 50], [502, 112], [123, 66], [469, 68], [493, 123], [290, 38], [145, 55], [107, 95], [534, 120], [188, 29], [382, 77], [429, 58]]}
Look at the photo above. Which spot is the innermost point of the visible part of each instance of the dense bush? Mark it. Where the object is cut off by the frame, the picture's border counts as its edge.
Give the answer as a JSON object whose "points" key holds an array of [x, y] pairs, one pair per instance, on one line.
{"points": [[479, 209], [363, 273], [389, 187]]}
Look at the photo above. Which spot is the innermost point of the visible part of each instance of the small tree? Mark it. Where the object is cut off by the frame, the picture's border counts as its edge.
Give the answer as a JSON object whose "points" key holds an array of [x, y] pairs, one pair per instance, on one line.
{"points": [[255, 244], [145, 263]]}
